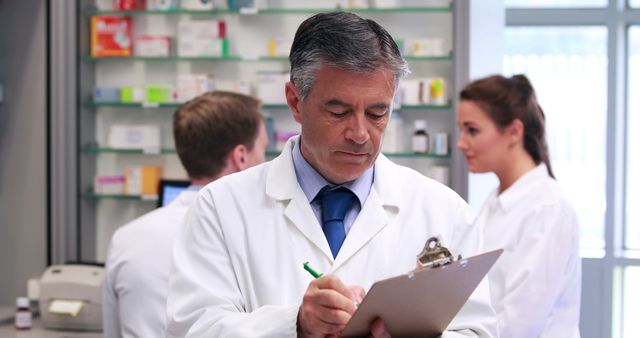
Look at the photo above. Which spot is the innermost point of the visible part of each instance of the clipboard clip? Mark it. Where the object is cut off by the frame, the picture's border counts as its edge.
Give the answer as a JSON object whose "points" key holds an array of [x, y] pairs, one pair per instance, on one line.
{"points": [[434, 255]]}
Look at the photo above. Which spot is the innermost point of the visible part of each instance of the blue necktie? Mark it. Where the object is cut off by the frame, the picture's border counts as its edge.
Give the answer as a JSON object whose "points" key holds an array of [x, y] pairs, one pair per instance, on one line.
{"points": [[335, 204]]}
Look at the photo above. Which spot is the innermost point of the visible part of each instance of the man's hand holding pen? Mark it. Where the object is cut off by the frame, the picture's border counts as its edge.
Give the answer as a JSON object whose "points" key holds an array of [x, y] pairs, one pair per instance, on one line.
{"points": [[327, 306]]}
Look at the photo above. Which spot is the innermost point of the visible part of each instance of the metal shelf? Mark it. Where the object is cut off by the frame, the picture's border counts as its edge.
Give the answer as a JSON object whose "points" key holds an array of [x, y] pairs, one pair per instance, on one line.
{"points": [[119, 197], [234, 58], [154, 105], [254, 11], [172, 58], [396, 155], [414, 155], [169, 151], [107, 150]]}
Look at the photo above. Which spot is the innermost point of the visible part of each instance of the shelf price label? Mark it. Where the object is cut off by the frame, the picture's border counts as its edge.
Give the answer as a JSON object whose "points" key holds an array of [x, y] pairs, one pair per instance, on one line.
{"points": [[250, 57], [150, 104], [151, 150], [149, 197], [249, 10]]}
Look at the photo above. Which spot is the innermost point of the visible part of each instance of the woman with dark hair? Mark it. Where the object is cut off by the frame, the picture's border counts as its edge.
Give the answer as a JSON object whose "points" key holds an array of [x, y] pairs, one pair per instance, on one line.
{"points": [[535, 285]]}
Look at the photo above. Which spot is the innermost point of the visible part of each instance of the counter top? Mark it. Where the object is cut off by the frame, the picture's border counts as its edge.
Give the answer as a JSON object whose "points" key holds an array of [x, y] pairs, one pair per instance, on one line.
{"points": [[7, 330]]}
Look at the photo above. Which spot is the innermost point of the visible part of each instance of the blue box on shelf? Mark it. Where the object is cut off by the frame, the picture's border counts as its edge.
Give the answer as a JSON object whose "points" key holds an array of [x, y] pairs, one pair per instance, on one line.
{"points": [[106, 95]]}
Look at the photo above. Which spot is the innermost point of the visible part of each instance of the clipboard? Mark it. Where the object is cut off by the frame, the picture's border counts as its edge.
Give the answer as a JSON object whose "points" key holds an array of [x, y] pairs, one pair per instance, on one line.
{"points": [[422, 302]]}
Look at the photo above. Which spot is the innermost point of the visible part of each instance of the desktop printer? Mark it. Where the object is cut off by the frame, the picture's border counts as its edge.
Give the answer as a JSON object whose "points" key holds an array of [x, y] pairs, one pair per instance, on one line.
{"points": [[71, 297]]}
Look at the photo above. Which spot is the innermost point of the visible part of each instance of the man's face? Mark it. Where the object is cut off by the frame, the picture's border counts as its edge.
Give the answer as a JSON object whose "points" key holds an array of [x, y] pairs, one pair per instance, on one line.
{"points": [[343, 119], [257, 153]]}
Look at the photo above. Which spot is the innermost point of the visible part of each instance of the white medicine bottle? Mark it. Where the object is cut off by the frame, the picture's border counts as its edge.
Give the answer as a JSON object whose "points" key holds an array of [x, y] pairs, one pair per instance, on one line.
{"points": [[420, 139], [23, 319], [393, 139]]}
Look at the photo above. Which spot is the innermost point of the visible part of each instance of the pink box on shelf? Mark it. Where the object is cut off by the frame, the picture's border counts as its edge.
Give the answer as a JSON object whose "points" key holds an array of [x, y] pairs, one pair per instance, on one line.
{"points": [[109, 185], [282, 137], [150, 45]]}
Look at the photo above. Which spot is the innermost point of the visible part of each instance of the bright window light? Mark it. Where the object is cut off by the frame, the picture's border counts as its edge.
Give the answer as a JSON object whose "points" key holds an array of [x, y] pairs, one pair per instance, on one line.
{"points": [[568, 68], [631, 306], [632, 234]]}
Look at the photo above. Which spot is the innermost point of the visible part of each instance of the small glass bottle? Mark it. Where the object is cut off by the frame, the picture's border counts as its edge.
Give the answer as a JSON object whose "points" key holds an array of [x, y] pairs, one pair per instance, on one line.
{"points": [[23, 320], [420, 140]]}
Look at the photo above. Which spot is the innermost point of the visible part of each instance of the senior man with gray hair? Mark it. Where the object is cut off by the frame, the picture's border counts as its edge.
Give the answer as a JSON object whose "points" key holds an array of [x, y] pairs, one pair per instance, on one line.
{"points": [[330, 198]]}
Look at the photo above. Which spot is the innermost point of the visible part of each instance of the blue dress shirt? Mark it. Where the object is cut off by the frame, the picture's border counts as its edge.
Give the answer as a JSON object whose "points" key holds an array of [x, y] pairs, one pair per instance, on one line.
{"points": [[311, 182]]}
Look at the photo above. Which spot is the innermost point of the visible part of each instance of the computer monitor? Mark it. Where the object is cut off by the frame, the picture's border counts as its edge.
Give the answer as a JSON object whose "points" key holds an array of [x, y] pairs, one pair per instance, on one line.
{"points": [[170, 189]]}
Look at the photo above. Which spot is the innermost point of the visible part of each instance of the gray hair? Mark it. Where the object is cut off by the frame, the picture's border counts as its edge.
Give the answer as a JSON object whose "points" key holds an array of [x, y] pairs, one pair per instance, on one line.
{"points": [[342, 40]]}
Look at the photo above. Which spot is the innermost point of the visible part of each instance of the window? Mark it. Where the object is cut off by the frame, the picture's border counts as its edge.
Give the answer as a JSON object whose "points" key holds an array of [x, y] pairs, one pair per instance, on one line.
{"points": [[556, 3], [633, 3], [632, 235], [568, 69]]}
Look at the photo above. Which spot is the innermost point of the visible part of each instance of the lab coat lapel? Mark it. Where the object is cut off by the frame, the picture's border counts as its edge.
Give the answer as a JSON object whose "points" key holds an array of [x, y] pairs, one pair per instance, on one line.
{"points": [[371, 219], [376, 213], [299, 212], [283, 186]]}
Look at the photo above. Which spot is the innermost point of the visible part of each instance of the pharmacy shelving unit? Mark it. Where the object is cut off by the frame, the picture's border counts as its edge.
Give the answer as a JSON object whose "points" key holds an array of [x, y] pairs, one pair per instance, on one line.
{"points": [[90, 219]]}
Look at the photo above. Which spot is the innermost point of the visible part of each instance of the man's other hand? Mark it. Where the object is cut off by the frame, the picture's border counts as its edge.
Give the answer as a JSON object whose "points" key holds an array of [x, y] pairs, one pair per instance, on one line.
{"points": [[378, 330]]}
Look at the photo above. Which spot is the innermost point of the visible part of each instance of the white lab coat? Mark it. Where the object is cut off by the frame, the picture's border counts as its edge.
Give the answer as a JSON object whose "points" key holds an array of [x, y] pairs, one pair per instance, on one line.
{"points": [[237, 267], [137, 271], [535, 284]]}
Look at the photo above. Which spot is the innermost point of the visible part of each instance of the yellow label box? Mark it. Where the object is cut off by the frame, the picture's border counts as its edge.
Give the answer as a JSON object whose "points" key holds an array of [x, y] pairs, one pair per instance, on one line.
{"points": [[142, 180]]}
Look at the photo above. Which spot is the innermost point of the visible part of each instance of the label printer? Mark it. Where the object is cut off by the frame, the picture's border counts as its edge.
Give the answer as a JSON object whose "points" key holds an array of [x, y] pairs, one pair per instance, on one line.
{"points": [[71, 297]]}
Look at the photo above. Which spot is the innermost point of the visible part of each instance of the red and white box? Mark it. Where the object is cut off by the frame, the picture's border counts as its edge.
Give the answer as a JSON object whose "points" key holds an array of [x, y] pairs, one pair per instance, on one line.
{"points": [[191, 85], [149, 45], [111, 36], [199, 29]]}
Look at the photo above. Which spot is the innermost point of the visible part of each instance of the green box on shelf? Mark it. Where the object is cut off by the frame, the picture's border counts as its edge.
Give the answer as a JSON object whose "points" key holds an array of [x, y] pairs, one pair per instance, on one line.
{"points": [[126, 94], [159, 94], [225, 47], [131, 94]]}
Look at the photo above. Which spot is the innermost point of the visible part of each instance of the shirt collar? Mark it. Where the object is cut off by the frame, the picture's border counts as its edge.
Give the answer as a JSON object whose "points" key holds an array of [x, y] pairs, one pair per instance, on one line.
{"points": [[312, 182], [521, 186]]}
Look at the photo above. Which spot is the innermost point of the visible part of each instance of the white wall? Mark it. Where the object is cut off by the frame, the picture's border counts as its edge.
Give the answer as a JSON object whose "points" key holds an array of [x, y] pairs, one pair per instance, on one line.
{"points": [[486, 51]]}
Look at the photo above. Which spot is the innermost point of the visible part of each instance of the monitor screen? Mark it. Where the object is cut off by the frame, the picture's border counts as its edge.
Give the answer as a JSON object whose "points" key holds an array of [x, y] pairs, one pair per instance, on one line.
{"points": [[170, 189]]}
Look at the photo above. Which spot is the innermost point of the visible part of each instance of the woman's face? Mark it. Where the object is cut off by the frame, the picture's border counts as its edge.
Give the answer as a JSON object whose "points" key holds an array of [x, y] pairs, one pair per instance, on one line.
{"points": [[485, 147]]}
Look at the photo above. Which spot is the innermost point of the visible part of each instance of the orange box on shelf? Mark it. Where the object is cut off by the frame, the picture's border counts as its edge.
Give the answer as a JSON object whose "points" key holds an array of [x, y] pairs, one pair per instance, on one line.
{"points": [[111, 36], [142, 180]]}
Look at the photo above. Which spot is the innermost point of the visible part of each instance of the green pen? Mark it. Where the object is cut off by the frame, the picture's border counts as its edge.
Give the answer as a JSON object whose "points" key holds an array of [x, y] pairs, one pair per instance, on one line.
{"points": [[311, 271], [316, 275]]}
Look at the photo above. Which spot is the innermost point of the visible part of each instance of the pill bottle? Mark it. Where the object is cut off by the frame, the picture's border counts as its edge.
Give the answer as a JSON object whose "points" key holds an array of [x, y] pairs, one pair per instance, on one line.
{"points": [[420, 139], [23, 319]]}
